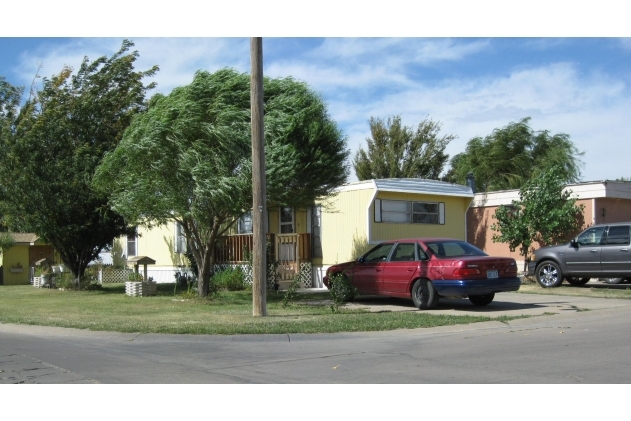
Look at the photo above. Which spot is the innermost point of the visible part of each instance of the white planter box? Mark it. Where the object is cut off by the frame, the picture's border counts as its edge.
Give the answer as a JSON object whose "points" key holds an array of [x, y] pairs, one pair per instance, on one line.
{"points": [[141, 289]]}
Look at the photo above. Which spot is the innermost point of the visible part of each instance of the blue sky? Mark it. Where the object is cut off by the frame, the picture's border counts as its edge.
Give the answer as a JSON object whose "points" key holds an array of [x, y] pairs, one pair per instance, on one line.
{"points": [[575, 85]]}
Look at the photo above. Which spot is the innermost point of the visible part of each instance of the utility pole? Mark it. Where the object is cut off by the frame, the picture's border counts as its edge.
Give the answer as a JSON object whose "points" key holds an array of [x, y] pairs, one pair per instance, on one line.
{"points": [[259, 205]]}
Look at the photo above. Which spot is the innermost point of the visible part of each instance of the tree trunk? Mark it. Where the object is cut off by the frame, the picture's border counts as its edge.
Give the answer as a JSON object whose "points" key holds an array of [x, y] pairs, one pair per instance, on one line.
{"points": [[206, 272]]}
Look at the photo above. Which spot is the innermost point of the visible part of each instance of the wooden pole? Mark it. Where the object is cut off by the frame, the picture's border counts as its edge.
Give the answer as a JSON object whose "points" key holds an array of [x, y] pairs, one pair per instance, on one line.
{"points": [[259, 205]]}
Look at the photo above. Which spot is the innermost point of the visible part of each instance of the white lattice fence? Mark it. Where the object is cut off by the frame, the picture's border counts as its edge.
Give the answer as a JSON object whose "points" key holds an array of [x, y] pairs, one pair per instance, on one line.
{"points": [[305, 275], [114, 275]]}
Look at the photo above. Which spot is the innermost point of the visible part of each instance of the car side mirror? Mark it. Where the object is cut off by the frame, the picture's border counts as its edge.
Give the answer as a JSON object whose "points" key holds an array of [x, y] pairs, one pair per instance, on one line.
{"points": [[574, 243], [360, 259]]}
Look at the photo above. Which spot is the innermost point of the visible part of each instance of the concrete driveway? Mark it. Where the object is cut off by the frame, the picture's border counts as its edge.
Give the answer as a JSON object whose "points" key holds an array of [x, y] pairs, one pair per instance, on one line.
{"points": [[504, 304]]}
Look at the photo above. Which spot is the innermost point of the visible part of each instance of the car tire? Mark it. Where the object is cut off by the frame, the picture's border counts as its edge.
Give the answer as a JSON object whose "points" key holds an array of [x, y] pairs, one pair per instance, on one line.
{"points": [[576, 281], [611, 281], [424, 294], [549, 274], [481, 300]]}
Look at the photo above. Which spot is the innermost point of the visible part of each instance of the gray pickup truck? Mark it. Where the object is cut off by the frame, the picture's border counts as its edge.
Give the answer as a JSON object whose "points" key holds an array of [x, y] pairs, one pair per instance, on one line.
{"points": [[601, 251]]}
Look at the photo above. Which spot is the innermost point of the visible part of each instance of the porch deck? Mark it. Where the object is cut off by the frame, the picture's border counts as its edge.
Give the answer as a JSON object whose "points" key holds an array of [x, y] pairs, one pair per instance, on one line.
{"points": [[288, 250]]}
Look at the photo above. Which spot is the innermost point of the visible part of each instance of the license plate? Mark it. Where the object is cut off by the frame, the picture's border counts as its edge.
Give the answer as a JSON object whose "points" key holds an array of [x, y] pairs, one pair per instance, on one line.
{"points": [[491, 274]]}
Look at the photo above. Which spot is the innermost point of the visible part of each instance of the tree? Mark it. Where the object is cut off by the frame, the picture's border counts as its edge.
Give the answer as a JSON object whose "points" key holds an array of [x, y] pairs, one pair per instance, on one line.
{"points": [[544, 213], [397, 151], [6, 242], [511, 155], [188, 158], [50, 146]]}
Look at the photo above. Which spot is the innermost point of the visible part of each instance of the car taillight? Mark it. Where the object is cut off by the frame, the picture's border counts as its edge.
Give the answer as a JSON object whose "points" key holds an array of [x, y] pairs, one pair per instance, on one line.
{"points": [[511, 270], [466, 271]]}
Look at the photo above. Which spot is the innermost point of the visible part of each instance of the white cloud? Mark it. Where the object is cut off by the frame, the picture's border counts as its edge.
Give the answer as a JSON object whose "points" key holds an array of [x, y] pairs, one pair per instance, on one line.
{"points": [[360, 78], [178, 58], [592, 109]]}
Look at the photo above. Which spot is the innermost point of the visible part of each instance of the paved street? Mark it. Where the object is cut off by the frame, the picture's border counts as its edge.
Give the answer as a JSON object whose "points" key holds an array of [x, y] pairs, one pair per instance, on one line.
{"points": [[568, 340]]}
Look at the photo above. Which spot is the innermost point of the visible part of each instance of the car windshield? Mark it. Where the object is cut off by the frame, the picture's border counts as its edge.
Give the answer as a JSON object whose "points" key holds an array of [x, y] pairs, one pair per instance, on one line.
{"points": [[450, 249]]}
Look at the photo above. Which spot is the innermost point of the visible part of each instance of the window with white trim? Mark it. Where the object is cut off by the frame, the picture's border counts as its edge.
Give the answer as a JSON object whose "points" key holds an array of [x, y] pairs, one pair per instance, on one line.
{"points": [[316, 231], [132, 241], [180, 238], [408, 212], [244, 225]]}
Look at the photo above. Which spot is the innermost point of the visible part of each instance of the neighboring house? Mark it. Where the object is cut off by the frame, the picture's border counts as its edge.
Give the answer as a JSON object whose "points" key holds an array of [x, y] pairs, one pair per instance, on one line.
{"points": [[164, 244], [19, 259], [305, 242], [604, 201]]}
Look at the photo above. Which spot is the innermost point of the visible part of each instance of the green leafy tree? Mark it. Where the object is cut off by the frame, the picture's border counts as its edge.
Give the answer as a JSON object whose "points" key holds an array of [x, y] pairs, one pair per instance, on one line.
{"points": [[188, 158], [544, 213], [511, 155], [6, 242], [397, 151], [50, 146]]}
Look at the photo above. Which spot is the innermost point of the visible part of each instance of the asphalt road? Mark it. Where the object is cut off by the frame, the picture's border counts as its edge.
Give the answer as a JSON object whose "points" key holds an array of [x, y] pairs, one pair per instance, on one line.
{"points": [[567, 340]]}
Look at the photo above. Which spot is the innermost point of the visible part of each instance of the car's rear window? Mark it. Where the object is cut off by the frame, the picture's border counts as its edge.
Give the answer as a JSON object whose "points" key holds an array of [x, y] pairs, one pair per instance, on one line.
{"points": [[449, 249]]}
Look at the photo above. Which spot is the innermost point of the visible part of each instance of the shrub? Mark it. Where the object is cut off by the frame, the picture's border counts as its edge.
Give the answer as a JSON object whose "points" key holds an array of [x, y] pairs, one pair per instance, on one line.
{"points": [[341, 290], [290, 294], [230, 279], [134, 277], [67, 281]]}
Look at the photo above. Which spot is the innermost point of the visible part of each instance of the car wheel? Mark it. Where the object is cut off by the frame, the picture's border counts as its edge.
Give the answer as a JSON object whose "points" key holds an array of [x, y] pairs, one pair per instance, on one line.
{"points": [[549, 275], [481, 300], [424, 294], [611, 281], [577, 282]]}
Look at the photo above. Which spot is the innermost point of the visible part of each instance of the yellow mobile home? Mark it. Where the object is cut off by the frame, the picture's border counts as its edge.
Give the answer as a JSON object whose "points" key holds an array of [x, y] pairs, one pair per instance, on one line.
{"points": [[366, 213], [305, 242]]}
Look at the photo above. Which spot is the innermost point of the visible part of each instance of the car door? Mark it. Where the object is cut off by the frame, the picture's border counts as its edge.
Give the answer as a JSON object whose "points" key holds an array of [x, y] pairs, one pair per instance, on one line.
{"points": [[399, 270], [616, 255], [366, 272], [584, 259]]}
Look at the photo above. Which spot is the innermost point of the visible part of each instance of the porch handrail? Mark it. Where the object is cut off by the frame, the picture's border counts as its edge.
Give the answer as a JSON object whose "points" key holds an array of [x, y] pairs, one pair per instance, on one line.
{"points": [[230, 248]]}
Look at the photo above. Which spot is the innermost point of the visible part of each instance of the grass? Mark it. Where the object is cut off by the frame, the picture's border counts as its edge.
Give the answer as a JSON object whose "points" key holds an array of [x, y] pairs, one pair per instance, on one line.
{"points": [[622, 291], [229, 313]]}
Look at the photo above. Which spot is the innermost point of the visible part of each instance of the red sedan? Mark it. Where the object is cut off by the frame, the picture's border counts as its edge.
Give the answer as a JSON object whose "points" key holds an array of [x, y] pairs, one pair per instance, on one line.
{"points": [[426, 269]]}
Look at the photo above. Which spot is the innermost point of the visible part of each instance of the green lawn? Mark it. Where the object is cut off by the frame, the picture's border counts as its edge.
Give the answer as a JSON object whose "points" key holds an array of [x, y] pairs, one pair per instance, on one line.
{"points": [[230, 313]]}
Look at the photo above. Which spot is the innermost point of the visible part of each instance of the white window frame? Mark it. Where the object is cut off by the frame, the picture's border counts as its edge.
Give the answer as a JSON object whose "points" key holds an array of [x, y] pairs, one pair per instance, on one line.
{"points": [[314, 228], [179, 243], [281, 223], [401, 212], [242, 224], [134, 240]]}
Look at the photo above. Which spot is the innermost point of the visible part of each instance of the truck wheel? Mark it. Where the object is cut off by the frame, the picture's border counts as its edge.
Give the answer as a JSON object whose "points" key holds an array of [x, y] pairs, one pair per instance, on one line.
{"points": [[577, 282], [611, 281], [549, 274]]}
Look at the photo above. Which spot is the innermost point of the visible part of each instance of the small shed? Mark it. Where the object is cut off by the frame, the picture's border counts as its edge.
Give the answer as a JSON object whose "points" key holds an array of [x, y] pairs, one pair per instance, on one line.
{"points": [[17, 261]]}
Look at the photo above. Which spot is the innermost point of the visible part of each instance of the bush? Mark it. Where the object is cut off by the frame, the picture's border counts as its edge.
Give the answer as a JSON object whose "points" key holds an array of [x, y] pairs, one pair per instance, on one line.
{"points": [[341, 290], [66, 280], [290, 294], [230, 279], [135, 277]]}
